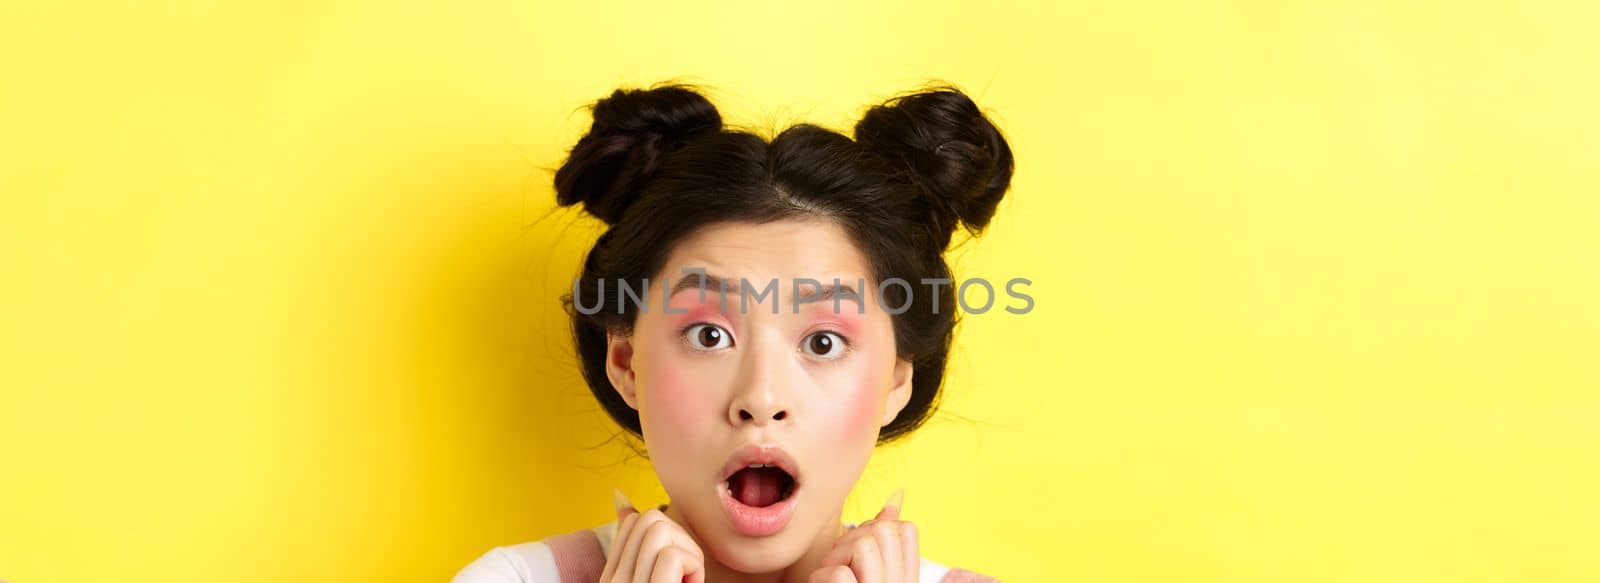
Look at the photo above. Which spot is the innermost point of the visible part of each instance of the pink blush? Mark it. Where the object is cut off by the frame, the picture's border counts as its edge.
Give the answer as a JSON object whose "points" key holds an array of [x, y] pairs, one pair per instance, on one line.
{"points": [[863, 417], [671, 395], [856, 412], [858, 409]]}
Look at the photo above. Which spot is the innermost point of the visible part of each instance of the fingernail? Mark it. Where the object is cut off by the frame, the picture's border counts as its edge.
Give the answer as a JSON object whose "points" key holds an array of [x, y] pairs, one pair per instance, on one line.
{"points": [[620, 501], [897, 499]]}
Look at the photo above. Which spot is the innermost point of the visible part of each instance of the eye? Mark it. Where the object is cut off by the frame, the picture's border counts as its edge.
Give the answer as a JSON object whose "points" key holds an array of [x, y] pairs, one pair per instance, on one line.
{"points": [[708, 337], [825, 345]]}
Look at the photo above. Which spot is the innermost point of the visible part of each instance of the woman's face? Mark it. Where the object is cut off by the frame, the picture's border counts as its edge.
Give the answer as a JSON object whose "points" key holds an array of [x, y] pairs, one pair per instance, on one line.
{"points": [[712, 379]]}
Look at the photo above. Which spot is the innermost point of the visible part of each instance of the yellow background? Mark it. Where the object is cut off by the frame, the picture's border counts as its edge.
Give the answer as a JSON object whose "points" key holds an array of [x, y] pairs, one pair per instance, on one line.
{"points": [[1318, 285]]}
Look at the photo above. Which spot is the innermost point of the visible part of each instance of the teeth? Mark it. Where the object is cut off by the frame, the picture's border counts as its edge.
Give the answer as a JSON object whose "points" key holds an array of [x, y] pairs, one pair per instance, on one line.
{"points": [[760, 465]]}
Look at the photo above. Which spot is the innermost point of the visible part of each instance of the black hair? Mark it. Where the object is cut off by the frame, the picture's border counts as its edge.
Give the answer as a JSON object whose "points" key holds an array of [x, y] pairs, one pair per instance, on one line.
{"points": [[658, 163]]}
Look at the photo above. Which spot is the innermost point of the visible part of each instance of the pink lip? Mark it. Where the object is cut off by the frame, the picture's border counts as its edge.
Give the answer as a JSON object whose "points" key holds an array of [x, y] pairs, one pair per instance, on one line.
{"points": [[749, 520]]}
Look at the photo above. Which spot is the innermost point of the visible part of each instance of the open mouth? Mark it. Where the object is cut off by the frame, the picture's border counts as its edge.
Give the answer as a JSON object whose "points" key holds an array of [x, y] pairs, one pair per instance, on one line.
{"points": [[760, 485], [758, 489]]}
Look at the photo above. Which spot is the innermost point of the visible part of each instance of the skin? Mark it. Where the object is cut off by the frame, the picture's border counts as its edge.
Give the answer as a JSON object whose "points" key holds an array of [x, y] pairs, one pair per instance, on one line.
{"points": [[698, 401]]}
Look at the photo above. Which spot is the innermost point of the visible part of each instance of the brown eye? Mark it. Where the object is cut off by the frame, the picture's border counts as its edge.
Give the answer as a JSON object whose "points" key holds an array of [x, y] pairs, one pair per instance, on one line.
{"points": [[824, 345], [708, 337]]}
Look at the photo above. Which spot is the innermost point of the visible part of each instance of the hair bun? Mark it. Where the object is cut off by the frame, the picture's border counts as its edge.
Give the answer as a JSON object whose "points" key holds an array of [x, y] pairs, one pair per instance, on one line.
{"points": [[633, 130], [957, 157]]}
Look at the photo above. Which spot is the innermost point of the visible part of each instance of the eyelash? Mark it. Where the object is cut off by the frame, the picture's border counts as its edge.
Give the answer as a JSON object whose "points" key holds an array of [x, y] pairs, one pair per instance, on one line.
{"points": [[847, 347], [843, 350], [685, 335]]}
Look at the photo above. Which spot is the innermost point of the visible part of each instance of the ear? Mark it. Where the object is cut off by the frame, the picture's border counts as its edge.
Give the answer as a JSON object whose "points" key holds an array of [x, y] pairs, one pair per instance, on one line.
{"points": [[619, 366], [899, 394]]}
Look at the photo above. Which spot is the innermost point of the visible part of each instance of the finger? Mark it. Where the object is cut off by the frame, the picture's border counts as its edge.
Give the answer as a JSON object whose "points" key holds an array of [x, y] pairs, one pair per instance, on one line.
{"points": [[887, 534], [626, 516], [891, 509], [834, 574], [911, 551], [614, 562], [623, 506], [674, 564], [694, 566], [629, 548], [866, 561], [681, 538], [657, 539], [840, 553]]}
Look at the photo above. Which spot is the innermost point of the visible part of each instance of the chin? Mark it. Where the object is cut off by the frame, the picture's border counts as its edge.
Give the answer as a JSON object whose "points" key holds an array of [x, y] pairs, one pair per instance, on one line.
{"points": [[759, 555]]}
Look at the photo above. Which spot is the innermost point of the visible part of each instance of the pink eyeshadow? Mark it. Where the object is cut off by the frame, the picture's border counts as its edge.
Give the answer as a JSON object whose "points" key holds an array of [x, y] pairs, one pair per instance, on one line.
{"points": [[846, 319], [696, 310]]}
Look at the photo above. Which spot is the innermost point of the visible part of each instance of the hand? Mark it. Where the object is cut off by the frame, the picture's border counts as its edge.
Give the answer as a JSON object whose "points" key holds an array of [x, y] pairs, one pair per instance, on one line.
{"points": [[881, 550], [651, 548]]}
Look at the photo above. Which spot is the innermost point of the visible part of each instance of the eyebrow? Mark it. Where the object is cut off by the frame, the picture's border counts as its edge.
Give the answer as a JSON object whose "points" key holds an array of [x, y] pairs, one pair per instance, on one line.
{"points": [[704, 281], [829, 292], [717, 283]]}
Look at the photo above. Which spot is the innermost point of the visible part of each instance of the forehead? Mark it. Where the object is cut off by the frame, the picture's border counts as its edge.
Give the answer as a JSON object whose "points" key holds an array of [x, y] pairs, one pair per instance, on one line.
{"points": [[786, 249]]}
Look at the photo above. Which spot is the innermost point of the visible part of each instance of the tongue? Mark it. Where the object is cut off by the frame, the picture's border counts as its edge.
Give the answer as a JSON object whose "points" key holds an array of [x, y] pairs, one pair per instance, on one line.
{"points": [[756, 486]]}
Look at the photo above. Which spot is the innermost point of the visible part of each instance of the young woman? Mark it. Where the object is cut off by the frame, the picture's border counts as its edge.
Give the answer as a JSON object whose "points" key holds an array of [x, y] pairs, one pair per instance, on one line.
{"points": [[763, 314]]}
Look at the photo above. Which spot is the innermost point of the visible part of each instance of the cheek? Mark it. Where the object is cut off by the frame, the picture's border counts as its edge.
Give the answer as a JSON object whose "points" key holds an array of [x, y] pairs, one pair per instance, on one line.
{"points": [[669, 398], [675, 419], [854, 411], [862, 410], [846, 430], [857, 405]]}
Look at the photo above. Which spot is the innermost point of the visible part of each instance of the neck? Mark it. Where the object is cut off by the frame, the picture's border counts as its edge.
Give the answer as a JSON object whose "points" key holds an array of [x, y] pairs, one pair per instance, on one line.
{"points": [[798, 572]]}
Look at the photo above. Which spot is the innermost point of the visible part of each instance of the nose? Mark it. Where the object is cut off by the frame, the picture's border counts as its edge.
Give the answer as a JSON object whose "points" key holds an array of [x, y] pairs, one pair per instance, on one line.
{"points": [[763, 397], [759, 404], [760, 417]]}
